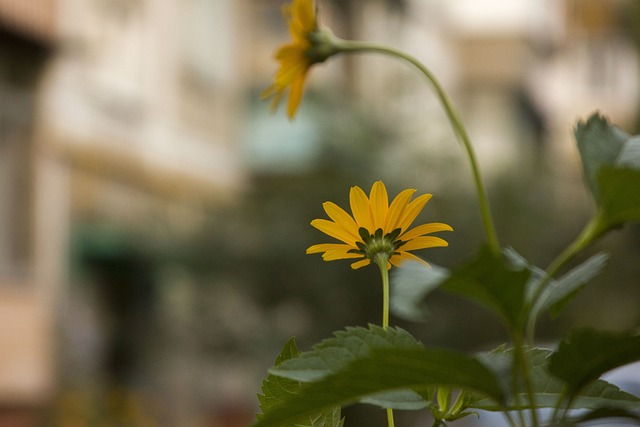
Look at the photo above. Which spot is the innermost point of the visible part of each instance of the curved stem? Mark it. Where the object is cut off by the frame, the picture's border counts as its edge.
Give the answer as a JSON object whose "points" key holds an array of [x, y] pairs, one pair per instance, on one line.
{"points": [[456, 123], [588, 234]]}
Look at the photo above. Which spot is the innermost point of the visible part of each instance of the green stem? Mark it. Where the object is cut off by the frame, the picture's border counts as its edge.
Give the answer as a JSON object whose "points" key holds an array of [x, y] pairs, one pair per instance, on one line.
{"points": [[384, 272], [588, 234], [458, 128], [509, 418], [381, 261], [522, 364], [390, 421]]}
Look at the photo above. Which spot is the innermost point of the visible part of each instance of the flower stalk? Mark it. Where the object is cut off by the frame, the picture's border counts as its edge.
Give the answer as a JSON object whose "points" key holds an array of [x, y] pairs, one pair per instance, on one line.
{"points": [[382, 260], [312, 44], [348, 46]]}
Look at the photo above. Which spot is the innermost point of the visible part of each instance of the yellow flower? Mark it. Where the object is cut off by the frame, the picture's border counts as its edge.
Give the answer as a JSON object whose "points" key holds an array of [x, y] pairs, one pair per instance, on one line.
{"points": [[310, 45], [377, 230]]}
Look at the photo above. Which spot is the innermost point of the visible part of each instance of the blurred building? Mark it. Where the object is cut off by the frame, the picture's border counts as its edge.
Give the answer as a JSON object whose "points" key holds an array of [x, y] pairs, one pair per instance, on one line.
{"points": [[117, 137], [27, 44]]}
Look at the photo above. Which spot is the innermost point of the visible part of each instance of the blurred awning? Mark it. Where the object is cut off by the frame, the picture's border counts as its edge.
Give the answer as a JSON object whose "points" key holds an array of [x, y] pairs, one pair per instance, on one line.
{"points": [[33, 19]]}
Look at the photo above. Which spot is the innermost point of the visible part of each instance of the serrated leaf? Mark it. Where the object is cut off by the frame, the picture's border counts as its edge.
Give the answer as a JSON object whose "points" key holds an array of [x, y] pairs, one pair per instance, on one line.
{"points": [[620, 201], [493, 282], [611, 163], [277, 390], [549, 391], [410, 285], [587, 354], [328, 418], [599, 144], [386, 370], [334, 354]]}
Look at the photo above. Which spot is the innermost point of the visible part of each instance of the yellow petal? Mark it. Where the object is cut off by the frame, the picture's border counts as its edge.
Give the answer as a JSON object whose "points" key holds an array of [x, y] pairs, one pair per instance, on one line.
{"points": [[359, 264], [423, 242], [379, 202], [290, 52], [287, 74], [340, 216], [412, 211], [295, 94], [324, 247], [304, 12], [334, 255], [360, 208], [334, 230], [423, 229], [396, 209]]}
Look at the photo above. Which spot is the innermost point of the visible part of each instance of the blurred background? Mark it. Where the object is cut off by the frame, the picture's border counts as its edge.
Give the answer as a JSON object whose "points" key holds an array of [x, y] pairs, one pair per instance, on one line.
{"points": [[155, 213]]}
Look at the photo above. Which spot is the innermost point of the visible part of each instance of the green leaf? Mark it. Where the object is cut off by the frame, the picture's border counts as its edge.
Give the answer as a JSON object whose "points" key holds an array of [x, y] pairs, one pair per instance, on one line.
{"points": [[599, 144], [611, 163], [405, 400], [277, 390], [493, 282], [334, 354], [385, 370], [620, 201], [549, 391], [519, 263], [558, 292], [499, 284], [330, 417], [587, 354], [410, 286]]}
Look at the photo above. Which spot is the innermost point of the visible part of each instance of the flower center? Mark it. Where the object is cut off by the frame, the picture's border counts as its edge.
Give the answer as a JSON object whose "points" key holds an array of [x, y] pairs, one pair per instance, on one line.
{"points": [[378, 244]]}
